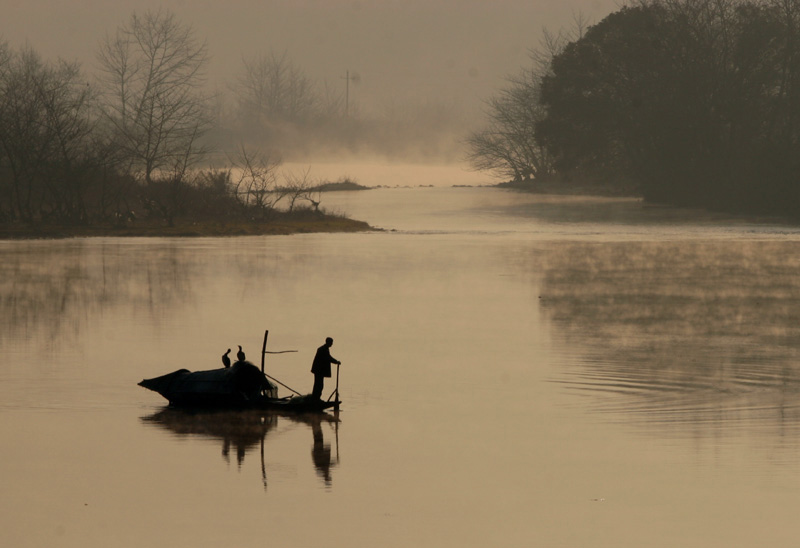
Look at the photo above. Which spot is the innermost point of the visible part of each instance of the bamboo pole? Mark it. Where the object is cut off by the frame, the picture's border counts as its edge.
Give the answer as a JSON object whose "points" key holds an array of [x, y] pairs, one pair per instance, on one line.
{"points": [[337, 382], [336, 390], [263, 356], [264, 349]]}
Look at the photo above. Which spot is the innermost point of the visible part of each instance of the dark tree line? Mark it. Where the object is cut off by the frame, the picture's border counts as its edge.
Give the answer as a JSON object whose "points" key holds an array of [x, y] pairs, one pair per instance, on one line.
{"points": [[135, 135], [131, 141], [696, 102], [76, 150], [48, 157], [509, 146]]}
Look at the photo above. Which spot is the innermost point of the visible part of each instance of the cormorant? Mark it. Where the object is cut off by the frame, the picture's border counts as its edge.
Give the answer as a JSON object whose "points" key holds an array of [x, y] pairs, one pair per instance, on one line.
{"points": [[240, 354], [226, 361]]}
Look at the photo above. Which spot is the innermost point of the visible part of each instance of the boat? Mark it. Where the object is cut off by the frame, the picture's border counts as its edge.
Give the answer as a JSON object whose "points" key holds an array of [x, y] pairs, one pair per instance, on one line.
{"points": [[241, 386]]}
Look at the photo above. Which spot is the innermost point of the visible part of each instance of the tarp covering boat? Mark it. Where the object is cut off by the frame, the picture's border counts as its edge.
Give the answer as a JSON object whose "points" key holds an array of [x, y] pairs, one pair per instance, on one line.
{"points": [[242, 384]]}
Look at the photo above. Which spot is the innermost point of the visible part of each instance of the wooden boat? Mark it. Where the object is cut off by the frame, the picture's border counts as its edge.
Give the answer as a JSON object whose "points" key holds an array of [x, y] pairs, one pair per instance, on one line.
{"points": [[241, 386]]}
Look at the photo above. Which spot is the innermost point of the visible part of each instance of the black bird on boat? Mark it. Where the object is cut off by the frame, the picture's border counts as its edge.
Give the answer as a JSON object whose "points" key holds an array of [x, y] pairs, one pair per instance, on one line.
{"points": [[226, 361], [240, 354]]}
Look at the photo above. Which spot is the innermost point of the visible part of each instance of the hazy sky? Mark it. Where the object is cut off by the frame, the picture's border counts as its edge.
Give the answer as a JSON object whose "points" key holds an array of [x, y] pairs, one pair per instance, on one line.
{"points": [[457, 50]]}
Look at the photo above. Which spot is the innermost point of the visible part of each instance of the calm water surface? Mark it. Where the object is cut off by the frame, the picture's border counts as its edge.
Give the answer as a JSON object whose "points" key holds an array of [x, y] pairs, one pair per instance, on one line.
{"points": [[517, 371]]}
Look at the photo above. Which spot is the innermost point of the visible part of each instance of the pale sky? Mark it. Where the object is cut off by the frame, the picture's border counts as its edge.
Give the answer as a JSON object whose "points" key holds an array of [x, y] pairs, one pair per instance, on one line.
{"points": [[403, 50]]}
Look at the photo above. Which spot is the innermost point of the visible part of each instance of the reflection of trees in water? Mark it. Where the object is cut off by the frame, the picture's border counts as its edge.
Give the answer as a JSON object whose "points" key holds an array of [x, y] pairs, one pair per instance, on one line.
{"points": [[243, 431], [49, 290], [692, 329]]}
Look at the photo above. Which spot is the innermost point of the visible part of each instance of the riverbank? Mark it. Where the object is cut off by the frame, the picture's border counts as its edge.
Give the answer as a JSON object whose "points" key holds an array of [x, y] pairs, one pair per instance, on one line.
{"points": [[588, 189], [283, 226], [562, 188]]}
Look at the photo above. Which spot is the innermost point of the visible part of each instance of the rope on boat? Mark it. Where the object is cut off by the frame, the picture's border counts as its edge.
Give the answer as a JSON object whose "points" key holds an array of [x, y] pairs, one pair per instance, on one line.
{"points": [[283, 385]]}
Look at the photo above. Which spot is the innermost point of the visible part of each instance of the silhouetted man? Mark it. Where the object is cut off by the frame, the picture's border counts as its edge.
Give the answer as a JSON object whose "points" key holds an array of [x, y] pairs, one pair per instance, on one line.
{"points": [[321, 367]]}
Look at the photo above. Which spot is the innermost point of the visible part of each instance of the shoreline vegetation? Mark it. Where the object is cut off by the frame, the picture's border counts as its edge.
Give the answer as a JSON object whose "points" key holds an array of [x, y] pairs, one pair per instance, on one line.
{"points": [[282, 225], [694, 102], [556, 187], [342, 184], [140, 148], [298, 220], [559, 188]]}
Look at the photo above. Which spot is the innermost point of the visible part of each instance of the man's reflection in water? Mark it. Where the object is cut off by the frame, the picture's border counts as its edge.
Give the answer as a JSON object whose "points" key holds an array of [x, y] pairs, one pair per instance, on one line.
{"points": [[321, 452], [242, 431]]}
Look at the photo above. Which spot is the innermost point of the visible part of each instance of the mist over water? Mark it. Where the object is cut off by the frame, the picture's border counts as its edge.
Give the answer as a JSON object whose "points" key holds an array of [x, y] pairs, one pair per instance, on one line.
{"points": [[422, 70], [604, 376], [379, 173]]}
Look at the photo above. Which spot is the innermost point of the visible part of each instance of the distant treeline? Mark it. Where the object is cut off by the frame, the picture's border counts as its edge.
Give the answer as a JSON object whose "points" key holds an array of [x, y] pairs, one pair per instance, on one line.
{"points": [[693, 102], [135, 138]]}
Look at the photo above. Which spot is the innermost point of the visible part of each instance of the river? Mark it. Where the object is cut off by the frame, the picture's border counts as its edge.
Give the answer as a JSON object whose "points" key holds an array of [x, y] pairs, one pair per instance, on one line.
{"points": [[517, 370]]}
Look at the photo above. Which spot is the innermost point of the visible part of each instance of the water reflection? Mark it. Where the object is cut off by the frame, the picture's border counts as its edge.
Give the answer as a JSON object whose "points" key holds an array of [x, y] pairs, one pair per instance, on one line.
{"points": [[52, 291], [687, 332], [564, 210], [241, 432], [49, 290]]}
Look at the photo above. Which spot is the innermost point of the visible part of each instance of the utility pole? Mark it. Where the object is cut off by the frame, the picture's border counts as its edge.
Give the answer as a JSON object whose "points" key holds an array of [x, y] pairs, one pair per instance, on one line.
{"points": [[347, 78]]}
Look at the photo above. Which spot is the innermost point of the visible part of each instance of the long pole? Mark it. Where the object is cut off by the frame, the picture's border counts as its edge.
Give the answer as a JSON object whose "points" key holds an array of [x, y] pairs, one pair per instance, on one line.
{"points": [[264, 349], [336, 390]]}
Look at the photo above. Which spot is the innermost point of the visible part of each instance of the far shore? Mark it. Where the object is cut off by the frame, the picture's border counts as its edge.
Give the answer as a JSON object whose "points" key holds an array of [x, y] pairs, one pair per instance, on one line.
{"points": [[571, 189], [559, 188]]}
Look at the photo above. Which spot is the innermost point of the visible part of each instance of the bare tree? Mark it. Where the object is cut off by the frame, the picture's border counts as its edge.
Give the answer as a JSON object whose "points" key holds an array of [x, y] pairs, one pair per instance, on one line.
{"points": [[152, 73], [46, 154], [68, 103], [23, 135], [272, 89], [331, 102], [300, 187], [255, 179], [507, 146]]}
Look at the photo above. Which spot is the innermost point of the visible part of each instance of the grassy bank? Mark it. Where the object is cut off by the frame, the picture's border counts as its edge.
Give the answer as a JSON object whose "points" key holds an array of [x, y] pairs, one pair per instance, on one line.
{"points": [[343, 184], [281, 225]]}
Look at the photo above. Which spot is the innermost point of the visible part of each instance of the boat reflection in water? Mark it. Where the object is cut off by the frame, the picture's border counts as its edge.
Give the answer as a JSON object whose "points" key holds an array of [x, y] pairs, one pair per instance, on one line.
{"points": [[243, 431]]}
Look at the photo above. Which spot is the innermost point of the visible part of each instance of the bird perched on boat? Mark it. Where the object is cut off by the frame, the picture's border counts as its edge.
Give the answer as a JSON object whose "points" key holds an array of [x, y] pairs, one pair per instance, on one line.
{"points": [[240, 354], [226, 361]]}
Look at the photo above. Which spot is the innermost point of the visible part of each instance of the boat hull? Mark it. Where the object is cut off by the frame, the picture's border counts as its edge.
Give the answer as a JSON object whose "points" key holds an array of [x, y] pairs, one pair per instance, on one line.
{"points": [[300, 404], [241, 386]]}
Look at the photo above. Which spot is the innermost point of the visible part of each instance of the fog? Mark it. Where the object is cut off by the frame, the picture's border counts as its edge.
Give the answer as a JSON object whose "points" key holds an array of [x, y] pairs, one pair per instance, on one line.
{"points": [[406, 53]]}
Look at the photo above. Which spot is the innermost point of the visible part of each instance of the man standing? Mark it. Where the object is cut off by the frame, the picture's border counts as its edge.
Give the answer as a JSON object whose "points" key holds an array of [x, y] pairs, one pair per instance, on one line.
{"points": [[321, 367]]}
